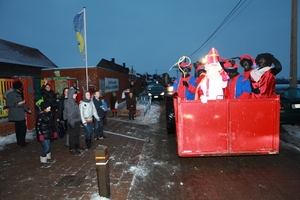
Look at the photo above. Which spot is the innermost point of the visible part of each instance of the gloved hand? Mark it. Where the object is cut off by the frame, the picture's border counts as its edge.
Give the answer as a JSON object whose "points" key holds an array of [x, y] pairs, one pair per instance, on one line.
{"points": [[85, 124], [203, 99], [185, 84], [41, 138], [256, 90], [55, 135], [224, 75]]}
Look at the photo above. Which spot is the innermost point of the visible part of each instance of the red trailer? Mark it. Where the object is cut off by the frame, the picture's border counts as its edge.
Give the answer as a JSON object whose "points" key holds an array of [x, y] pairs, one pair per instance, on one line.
{"points": [[227, 127]]}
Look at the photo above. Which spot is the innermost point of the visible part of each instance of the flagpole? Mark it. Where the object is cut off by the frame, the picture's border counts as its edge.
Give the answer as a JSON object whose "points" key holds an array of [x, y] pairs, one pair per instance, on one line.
{"points": [[86, 53]]}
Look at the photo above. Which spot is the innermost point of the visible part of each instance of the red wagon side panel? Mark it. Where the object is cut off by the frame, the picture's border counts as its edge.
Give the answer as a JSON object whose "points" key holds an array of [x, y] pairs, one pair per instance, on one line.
{"points": [[227, 127]]}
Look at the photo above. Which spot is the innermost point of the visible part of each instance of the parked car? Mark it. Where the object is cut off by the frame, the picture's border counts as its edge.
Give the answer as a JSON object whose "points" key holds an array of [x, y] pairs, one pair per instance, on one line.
{"points": [[156, 92], [289, 105]]}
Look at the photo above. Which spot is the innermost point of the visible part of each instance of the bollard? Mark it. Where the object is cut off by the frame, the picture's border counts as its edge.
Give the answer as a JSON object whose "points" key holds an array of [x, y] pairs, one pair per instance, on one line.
{"points": [[102, 168]]}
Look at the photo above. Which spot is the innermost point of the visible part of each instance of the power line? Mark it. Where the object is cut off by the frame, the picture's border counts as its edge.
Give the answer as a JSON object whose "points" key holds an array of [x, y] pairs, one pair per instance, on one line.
{"points": [[233, 11]]}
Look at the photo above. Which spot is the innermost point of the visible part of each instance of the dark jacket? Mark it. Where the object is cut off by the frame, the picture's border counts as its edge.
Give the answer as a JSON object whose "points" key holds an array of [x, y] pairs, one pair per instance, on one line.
{"points": [[131, 105], [61, 106], [113, 100], [49, 96], [98, 105], [134, 90], [16, 112], [45, 125]]}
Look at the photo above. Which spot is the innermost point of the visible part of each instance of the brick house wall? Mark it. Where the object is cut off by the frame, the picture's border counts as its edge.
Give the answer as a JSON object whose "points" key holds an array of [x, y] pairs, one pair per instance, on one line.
{"points": [[94, 74]]}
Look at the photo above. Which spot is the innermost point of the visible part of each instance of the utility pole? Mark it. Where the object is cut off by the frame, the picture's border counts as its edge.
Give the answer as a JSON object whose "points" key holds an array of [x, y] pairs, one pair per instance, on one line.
{"points": [[294, 46]]}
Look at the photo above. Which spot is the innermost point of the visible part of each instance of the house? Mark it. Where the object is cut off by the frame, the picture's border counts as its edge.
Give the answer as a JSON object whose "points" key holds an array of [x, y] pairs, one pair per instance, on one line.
{"points": [[24, 63]]}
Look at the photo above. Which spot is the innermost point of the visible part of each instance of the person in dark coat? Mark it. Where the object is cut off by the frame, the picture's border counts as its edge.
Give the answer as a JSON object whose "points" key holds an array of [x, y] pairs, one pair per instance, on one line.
{"points": [[133, 89], [101, 113], [61, 122], [46, 132], [72, 115], [131, 105], [16, 113], [113, 100], [49, 96]]}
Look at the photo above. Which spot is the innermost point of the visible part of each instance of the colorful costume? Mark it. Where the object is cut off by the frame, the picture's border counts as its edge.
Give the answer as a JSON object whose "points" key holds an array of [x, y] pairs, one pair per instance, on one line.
{"points": [[185, 86], [215, 80], [263, 78], [239, 86]]}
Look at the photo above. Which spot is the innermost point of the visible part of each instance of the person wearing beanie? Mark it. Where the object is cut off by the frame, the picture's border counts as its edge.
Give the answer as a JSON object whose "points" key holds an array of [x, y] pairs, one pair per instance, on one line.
{"points": [[87, 112], [185, 86], [17, 108], [238, 86], [263, 78], [46, 132]]}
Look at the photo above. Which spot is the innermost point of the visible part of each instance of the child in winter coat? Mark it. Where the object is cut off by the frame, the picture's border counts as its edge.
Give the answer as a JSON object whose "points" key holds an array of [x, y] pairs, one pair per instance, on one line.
{"points": [[46, 131], [87, 111]]}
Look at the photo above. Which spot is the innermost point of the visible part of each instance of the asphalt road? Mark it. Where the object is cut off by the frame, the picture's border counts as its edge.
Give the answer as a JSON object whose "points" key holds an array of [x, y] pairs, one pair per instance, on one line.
{"points": [[143, 164], [164, 175]]}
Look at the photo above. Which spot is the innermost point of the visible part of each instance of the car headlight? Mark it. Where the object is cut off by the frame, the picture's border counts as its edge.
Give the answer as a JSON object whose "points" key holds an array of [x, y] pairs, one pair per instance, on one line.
{"points": [[149, 94], [163, 93]]}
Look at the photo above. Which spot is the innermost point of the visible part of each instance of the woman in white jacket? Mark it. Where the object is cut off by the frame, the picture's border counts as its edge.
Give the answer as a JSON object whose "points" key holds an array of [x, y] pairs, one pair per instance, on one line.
{"points": [[87, 111]]}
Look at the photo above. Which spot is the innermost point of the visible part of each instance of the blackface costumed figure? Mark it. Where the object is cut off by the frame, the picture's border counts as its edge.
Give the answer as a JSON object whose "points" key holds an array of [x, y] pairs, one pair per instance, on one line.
{"points": [[263, 78], [184, 86], [238, 86]]}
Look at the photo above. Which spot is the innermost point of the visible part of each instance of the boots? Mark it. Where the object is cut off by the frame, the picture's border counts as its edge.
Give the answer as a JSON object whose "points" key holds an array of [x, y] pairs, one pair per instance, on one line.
{"points": [[78, 147], [44, 163], [132, 117], [129, 116], [49, 160], [67, 140], [88, 143]]}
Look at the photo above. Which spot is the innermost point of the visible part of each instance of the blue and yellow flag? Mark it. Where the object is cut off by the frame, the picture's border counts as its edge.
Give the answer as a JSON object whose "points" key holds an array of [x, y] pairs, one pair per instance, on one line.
{"points": [[79, 29]]}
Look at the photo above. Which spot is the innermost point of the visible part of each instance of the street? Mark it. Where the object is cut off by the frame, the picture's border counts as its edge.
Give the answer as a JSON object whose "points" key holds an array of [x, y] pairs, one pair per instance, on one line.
{"points": [[143, 164]]}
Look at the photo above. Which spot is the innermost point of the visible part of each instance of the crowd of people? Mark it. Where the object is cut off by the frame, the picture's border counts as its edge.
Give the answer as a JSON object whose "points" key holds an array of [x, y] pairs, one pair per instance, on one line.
{"points": [[218, 78], [61, 116]]}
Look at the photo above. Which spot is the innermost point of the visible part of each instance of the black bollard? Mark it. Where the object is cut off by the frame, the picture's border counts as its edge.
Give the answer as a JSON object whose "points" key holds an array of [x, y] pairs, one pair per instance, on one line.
{"points": [[102, 168]]}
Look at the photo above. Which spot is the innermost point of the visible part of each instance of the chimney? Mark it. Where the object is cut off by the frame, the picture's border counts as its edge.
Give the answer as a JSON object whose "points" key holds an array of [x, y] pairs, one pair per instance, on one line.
{"points": [[113, 61], [124, 65]]}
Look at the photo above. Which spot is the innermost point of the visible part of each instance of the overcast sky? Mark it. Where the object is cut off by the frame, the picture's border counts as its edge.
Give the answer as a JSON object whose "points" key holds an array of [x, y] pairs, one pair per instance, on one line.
{"points": [[150, 35]]}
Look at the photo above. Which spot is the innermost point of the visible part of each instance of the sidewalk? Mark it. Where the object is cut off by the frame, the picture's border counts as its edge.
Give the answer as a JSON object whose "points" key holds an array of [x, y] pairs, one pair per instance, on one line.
{"points": [[22, 178]]}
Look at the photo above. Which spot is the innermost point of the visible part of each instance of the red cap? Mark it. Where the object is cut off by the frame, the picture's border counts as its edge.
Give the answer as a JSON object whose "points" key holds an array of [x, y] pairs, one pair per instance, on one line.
{"points": [[228, 65], [224, 60], [184, 64], [200, 67], [246, 56], [213, 56]]}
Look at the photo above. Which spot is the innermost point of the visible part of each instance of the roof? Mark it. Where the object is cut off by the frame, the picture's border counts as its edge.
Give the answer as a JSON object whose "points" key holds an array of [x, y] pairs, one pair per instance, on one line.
{"points": [[22, 55], [111, 65]]}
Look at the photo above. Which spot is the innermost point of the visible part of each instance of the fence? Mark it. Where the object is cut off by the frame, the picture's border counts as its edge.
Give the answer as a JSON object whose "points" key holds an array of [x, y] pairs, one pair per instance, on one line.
{"points": [[5, 84]]}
